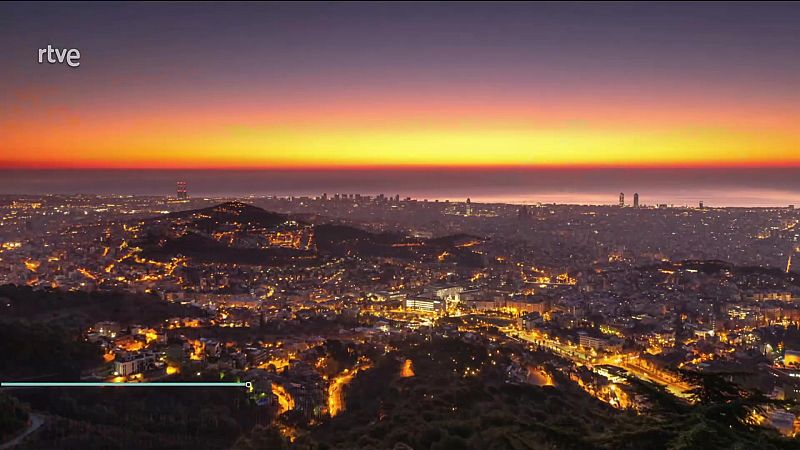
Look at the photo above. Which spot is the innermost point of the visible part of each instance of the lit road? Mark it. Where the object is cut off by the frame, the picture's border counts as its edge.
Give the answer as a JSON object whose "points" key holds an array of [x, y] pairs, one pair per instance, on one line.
{"points": [[580, 356], [336, 402]]}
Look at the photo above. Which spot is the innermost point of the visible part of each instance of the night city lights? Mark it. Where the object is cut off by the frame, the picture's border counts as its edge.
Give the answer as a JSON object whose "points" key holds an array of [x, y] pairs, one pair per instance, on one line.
{"points": [[400, 226]]}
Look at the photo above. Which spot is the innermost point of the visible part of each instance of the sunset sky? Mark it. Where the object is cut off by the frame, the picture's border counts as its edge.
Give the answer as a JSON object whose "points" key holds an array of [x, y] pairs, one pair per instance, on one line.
{"points": [[393, 85]]}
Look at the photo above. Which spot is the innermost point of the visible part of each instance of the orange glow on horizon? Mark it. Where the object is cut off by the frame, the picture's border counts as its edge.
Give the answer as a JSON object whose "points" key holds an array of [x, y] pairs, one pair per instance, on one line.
{"points": [[528, 86], [392, 132], [447, 148]]}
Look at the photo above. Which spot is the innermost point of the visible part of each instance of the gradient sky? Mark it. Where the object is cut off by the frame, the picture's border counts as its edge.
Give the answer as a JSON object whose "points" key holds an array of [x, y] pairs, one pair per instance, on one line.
{"points": [[348, 85]]}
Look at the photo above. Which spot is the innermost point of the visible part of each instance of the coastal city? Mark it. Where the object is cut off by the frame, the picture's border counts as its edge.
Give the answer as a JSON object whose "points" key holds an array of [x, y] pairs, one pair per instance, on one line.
{"points": [[300, 297], [400, 226]]}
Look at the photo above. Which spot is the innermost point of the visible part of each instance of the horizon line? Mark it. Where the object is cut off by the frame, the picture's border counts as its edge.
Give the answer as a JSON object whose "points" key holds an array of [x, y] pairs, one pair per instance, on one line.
{"points": [[397, 167]]}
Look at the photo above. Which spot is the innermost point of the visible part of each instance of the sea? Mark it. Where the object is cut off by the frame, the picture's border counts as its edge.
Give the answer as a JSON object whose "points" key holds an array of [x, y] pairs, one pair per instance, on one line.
{"points": [[715, 187]]}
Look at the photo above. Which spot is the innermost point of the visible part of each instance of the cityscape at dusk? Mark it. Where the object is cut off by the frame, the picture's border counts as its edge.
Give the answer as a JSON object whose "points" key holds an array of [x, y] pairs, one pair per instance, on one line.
{"points": [[400, 226]]}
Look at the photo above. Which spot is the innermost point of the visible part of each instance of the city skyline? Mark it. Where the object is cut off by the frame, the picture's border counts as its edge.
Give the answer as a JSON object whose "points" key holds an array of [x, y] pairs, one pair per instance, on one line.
{"points": [[718, 187], [405, 226]]}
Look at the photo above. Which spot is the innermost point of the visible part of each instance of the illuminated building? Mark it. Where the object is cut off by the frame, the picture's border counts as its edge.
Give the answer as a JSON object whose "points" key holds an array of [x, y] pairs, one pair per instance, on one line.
{"points": [[107, 329], [521, 306], [181, 190], [134, 364], [766, 296], [451, 295], [425, 304], [791, 357], [585, 340], [621, 199]]}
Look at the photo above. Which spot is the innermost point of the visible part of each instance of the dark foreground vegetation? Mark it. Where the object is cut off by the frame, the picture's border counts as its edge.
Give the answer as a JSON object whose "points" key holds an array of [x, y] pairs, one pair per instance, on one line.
{"points": [[442, 409]]}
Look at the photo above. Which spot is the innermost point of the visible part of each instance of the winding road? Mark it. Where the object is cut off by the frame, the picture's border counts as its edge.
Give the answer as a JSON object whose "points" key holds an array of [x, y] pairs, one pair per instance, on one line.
{"points": [[37, 420]]}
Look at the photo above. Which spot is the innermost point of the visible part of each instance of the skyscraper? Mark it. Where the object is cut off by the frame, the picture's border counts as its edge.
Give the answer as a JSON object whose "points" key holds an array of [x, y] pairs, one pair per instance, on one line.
{"points": [[621, 199], [523, 213], [181, 191], [635, 199]]}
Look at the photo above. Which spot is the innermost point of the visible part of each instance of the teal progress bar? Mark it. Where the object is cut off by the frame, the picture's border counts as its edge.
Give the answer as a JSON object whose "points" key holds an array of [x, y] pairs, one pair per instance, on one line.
{"points": [[103, 384]]}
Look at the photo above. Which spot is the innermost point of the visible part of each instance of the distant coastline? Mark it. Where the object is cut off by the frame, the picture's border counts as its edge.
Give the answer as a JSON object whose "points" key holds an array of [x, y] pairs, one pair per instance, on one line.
{"points": [[757, 187]]}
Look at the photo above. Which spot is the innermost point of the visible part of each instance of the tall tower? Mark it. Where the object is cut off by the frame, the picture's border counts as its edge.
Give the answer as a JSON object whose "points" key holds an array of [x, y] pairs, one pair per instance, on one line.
{"points": [[635, 199], [621, 199], [180, 190]]}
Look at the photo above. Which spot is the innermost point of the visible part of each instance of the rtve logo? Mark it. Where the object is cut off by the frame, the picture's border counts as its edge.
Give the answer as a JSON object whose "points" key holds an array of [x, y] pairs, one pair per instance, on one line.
{"points": [[70, 56]]}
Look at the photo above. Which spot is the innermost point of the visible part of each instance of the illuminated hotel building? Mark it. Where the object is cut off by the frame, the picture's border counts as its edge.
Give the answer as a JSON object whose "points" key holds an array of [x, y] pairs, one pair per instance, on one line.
{"points": [[181, 190]]}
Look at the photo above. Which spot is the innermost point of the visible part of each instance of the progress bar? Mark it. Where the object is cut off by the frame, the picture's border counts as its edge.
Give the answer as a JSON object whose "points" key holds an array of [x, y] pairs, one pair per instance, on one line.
{"points": [[20, 384]]}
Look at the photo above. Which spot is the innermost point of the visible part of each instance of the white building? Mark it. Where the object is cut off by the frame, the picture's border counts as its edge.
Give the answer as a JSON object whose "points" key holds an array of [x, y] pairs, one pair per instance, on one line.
{"points": [[134, 364], [597, 343], [425, 304]]}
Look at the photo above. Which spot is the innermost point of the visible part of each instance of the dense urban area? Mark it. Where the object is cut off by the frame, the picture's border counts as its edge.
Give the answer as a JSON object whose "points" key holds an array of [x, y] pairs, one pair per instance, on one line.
{"points": [[372, 322]]}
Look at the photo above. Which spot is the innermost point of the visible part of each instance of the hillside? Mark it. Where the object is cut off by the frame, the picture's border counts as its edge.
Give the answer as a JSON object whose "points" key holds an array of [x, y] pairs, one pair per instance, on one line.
{"points": [[236, 232]]}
